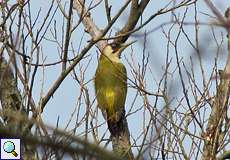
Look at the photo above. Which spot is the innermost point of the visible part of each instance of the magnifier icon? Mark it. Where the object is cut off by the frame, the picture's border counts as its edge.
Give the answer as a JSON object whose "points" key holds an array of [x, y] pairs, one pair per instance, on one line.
{"points": [[9, 147]]}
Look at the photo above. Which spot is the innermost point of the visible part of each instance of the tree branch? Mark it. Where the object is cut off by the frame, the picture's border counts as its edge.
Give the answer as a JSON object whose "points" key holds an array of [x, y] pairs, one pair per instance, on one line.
{"points": [[135, 13], [90, 26], [219, 109]]}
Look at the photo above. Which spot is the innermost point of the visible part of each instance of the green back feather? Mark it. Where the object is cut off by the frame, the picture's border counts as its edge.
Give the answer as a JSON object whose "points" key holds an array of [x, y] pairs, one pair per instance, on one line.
{"points": [[111, 87]]}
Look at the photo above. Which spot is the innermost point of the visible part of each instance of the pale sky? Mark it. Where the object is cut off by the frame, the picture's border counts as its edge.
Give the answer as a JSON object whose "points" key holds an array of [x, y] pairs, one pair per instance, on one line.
{"points": [[63, 102]]}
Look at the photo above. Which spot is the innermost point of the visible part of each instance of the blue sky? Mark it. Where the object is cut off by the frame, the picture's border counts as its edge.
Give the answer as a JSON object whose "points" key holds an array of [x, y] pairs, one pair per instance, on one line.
{"points": [[63, 102]]}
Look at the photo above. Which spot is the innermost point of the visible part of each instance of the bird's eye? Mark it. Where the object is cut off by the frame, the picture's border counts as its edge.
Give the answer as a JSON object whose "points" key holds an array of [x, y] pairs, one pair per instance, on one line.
{"points": [[114, 46]]}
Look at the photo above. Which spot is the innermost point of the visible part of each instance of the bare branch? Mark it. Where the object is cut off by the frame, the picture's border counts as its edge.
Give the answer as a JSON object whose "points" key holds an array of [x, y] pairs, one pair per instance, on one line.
{"points": [[135, 13], [90, 26]]}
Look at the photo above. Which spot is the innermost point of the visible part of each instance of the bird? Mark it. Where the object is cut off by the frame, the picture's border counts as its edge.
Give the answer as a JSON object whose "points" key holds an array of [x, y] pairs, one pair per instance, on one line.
{"points": [[111, 85]]}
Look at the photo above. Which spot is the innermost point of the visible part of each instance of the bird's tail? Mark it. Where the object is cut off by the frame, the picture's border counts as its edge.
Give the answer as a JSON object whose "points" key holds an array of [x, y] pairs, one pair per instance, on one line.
{"points": [[117, 128]]}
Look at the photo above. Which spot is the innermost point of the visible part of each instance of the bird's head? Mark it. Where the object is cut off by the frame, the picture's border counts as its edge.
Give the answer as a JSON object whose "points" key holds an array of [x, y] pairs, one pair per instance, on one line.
{"points": [[113, 50]]}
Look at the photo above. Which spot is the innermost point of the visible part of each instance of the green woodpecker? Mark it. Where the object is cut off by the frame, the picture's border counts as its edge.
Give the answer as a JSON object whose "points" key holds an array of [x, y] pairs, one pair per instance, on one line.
{"points": [[111, 84]]}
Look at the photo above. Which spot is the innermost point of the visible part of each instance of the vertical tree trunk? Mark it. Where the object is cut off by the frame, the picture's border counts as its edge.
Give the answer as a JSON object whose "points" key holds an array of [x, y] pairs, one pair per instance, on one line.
{"points": [[9, 94], [219, 109], [121, 138]]}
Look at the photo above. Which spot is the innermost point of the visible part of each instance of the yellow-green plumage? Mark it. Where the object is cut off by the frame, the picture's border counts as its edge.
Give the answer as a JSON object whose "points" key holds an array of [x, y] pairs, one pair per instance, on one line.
{"points": [[111, 85]]}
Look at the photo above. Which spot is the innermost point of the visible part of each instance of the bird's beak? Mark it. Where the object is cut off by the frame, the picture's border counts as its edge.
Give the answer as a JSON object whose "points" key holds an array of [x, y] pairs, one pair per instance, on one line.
{"points": [[124, 46]]}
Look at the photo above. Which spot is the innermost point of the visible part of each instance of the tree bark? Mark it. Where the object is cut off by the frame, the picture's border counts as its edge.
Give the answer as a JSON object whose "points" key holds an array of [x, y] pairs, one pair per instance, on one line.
{"points": [[213, 135]]}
